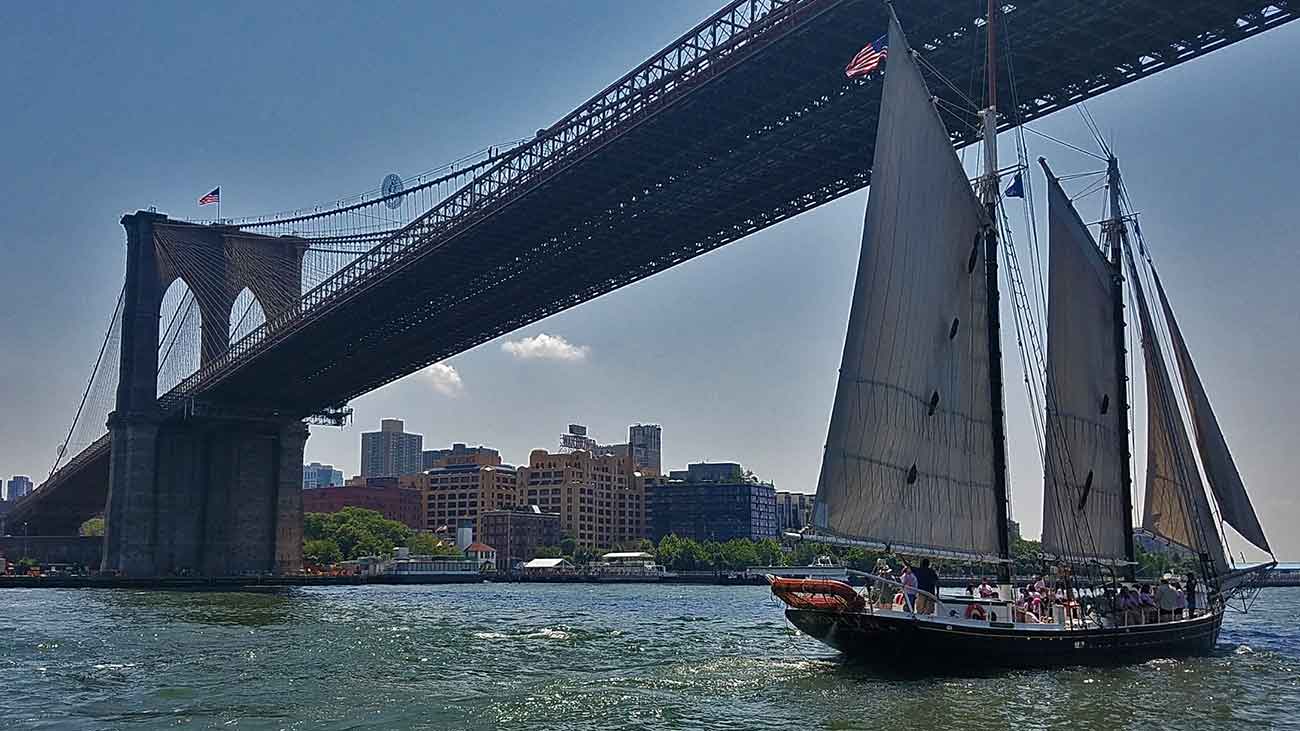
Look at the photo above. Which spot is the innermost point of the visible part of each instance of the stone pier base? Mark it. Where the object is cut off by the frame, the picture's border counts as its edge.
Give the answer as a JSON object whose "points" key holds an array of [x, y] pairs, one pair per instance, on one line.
{"points": [[211, 497]]}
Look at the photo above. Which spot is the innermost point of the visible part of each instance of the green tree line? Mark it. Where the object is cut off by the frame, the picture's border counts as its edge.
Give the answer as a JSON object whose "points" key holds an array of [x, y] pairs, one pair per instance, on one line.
{"points": [[355, 532]]}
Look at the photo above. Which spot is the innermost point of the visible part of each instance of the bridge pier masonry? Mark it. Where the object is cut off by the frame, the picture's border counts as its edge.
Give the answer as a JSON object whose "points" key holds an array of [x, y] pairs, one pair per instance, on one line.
{"points": [[217, 493]]}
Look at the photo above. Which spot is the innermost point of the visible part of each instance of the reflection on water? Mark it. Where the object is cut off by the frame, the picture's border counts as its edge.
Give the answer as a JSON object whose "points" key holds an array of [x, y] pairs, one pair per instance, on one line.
{"points": [[565, 657], [253, 608]]}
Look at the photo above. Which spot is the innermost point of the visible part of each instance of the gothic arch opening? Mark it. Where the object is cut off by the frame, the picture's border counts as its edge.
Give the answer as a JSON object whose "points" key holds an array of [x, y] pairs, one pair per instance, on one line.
{"points": [[246, 315], [180, 329]]}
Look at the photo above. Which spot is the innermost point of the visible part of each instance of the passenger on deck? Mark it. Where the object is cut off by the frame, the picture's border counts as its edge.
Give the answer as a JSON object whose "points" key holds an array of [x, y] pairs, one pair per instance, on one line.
{"points": [[987, 591], [1129, 605], [927, 580], [1191, 595], [908, 581], [1180, 609], [1166, 599], [1147, 604]]}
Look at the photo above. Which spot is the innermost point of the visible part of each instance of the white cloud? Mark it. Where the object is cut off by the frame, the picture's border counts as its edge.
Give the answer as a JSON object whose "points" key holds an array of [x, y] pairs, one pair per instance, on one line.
{"points": [[545, 347], [446, 380]]}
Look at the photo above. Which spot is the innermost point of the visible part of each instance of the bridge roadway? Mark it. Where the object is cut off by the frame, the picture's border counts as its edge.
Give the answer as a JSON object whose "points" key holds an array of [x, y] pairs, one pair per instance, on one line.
{"points": [[743, 122]]}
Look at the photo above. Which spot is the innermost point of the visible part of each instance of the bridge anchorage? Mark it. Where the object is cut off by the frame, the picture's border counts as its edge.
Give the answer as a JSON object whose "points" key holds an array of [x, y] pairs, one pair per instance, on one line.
{"points": [[204, 489]]}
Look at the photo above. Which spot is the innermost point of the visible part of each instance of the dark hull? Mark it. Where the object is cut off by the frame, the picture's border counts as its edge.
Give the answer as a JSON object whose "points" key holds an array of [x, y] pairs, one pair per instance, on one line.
{"points": [[897, 641]]}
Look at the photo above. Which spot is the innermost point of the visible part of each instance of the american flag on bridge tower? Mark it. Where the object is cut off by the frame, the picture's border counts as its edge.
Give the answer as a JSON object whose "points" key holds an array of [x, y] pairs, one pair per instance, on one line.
{"points": [[213, 197], [868, 59]]}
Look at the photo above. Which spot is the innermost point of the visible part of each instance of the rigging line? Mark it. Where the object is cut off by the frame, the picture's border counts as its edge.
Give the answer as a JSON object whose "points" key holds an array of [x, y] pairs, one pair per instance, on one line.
{"points": [[1063, 143], [1022, 151], [960, 95], [117, 313]]}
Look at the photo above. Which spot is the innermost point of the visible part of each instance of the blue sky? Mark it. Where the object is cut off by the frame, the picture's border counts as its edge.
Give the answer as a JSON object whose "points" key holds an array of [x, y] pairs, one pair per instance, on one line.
{"points": [[115, 107]]}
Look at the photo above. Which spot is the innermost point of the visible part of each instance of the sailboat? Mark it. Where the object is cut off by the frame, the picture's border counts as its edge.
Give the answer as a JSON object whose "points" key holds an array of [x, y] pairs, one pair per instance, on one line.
{"points": [[916, 457]]}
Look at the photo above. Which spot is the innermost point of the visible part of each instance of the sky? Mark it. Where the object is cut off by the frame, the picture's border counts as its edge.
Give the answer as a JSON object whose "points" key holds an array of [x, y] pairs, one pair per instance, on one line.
{"points": [[112, 108]]}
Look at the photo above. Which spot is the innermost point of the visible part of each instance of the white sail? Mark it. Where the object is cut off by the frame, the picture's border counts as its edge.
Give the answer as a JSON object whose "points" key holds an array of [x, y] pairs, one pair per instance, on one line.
{"points": [[1175, 506], [1083, 498], [909, 455], [1220, 469]]}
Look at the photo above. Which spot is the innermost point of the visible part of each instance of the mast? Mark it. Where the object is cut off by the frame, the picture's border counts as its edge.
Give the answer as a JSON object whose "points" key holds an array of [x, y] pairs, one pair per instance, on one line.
{"points": [[990, 199], [1115, 234]]}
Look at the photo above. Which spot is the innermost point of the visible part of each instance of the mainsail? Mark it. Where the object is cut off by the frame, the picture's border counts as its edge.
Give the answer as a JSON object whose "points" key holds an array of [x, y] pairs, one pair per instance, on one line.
{"points": [[1220, 469], [908, 460], [1083, 500], [1176, 506]]}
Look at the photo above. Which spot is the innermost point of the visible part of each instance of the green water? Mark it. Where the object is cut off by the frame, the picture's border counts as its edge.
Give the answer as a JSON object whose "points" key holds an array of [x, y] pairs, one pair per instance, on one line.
{"points": [[564, 657]]}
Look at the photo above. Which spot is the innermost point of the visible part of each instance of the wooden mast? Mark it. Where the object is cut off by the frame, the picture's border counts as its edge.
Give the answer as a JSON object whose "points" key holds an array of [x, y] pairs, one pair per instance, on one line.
{"points": [[990, 199], [1115, 234]]}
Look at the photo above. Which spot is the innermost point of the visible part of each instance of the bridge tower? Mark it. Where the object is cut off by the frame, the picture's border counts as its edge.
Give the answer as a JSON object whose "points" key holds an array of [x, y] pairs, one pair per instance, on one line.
{"points": [[212, 491]]}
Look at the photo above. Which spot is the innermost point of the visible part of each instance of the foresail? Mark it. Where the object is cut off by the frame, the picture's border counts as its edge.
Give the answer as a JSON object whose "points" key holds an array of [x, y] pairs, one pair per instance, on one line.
{"points": [[1220, 469], [909, 454], [1083, 503], [1176, 506]]}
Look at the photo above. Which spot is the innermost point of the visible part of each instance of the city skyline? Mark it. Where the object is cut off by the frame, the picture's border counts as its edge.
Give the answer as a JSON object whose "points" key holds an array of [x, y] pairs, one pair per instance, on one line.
{"points": [[733, 354]]}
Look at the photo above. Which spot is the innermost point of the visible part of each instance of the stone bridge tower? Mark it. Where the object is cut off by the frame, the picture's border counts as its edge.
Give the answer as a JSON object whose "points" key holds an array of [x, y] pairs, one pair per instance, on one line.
{"points": [[192, 494]]}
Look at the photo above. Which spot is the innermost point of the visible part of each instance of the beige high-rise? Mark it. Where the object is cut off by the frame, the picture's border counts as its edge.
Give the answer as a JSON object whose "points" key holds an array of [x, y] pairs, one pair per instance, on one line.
{"points": [[600, 500]]}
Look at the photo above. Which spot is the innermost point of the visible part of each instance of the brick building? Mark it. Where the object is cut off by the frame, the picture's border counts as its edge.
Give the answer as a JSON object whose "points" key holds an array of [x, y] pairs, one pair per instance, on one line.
{"points": [[382, 494], [517, 534]]}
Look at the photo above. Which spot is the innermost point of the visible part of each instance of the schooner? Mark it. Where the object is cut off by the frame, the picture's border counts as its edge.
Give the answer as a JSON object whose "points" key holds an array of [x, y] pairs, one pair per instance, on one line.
{"points": [[916, 455]]}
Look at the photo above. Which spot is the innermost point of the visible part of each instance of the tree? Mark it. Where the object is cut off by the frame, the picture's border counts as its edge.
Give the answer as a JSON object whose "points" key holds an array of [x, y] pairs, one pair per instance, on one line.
{"points": [[582, 555], [549, 552], [357, 531], [769, 552], [321, 551], [92, 527], [646, 545], [568, 546], [738, 553]]}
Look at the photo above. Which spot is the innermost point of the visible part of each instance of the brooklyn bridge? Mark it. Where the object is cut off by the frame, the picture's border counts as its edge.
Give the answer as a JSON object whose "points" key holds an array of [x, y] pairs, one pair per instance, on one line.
{"points": [[744, 121]]}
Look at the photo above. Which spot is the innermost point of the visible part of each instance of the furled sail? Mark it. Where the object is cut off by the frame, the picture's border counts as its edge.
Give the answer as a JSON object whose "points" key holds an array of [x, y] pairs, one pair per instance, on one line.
{"points": [[1175, 506], [1220, 470], [1083, 502], [909, 454]]}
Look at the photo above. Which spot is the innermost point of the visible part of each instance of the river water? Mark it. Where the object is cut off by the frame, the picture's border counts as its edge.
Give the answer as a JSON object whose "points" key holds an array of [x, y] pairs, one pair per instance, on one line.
{"points": [[529, 656]]}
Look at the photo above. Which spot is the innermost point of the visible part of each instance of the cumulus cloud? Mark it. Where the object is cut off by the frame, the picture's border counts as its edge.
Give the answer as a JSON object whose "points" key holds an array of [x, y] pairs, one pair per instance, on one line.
{"points": [[545, 347], [446, 380]]}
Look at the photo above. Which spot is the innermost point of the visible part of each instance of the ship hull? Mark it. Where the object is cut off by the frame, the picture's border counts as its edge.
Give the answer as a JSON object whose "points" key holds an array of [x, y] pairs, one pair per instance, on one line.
{"points": [[901, 641]]}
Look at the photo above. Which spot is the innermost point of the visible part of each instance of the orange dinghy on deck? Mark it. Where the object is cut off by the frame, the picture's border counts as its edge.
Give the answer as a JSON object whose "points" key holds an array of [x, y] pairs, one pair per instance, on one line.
{"points": [[824, 594]]}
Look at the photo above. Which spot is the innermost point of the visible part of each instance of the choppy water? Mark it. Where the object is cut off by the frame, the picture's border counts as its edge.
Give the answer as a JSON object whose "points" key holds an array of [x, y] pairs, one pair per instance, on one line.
{"points": [[564, 657]]}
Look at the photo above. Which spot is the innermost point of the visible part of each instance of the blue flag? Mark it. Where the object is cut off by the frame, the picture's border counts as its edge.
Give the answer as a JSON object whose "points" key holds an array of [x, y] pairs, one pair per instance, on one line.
{"points": [[1017, 187]]}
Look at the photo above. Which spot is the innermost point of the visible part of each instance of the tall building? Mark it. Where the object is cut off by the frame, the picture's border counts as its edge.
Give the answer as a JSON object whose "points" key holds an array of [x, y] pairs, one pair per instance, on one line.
{"points": [[600, 499], [391, 452], [316, 475], [793, 511], [462, 492], [460, 454], [381, 494], [692, 506], [19, 486], [645, 443], [516, 534]]}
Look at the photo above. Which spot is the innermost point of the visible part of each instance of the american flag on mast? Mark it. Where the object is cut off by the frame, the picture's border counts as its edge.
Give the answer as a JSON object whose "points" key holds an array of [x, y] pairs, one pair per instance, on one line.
{"points": [[212, 197], [868, 59]]}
